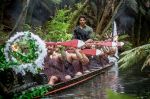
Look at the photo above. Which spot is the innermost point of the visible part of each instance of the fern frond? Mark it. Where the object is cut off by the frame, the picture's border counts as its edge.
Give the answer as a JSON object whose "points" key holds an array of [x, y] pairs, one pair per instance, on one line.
{"points": [[123, 37], [146, 63], [132, 57]]}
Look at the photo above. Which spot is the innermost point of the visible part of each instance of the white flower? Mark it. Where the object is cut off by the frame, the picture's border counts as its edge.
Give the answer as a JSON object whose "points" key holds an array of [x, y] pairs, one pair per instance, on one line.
{"points": [[41, 51]]}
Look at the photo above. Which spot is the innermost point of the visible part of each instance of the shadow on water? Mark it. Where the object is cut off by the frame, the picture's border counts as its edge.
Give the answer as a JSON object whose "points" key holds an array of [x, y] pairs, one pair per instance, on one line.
{"points": [[136, 82]]}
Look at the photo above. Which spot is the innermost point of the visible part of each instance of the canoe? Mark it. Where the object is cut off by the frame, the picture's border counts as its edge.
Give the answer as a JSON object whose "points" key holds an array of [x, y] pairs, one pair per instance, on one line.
{"points": [[78, 80], [65, 85]]}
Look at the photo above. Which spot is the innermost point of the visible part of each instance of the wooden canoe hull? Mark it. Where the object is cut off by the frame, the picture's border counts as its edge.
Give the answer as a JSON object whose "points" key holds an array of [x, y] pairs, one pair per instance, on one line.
{"points": [[77, 80]]}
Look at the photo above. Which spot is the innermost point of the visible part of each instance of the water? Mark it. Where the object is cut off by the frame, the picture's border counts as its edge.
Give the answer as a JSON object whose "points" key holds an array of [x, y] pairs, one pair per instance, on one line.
{"points": [[92, 89], [96, 89], [136, 82]]}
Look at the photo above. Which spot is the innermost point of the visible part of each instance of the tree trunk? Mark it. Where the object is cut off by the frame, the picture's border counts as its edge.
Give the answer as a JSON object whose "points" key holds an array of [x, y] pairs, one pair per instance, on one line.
{"points": [[105, 15], [30, 12], [21, 20], [114, 11], [75, 17]]}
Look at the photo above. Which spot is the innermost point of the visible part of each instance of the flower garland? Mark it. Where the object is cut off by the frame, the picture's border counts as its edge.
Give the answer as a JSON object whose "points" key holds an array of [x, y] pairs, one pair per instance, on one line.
{"points": [[30, 58]]}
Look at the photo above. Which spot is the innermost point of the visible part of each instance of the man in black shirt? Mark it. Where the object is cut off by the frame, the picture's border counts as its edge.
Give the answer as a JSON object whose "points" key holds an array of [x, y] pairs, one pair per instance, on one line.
{"points": [[83, 31]]}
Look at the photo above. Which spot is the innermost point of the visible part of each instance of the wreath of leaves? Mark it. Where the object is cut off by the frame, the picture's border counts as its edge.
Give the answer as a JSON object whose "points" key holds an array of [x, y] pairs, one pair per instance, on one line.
{"points": [[27, 51]]}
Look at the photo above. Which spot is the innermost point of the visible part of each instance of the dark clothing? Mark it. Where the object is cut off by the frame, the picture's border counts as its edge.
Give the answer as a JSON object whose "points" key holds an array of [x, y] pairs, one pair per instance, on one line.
{"points": [[83, 34], [57, 67], [69, 69], [79, 67], [53, 68], [98, 61], [95, 62]]}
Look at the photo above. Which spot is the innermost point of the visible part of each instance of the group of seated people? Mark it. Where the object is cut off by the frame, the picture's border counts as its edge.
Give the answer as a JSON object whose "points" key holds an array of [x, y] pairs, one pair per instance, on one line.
{"points": [[61, 66]]}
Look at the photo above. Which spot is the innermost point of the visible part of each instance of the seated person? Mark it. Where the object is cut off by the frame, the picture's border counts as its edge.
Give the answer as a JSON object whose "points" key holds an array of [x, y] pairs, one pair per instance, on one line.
{"points": [[54, 68], [100, 60], [108, 51], [79, 61], [95, 61]]}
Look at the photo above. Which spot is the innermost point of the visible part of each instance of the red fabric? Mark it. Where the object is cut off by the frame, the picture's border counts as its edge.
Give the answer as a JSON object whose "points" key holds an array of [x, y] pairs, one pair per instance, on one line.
{"points": [[89, 51], [72, 43]]}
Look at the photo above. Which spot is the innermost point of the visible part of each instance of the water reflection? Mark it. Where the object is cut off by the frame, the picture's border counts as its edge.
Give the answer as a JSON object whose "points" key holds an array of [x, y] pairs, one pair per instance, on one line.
{"points": [[92, 89]]}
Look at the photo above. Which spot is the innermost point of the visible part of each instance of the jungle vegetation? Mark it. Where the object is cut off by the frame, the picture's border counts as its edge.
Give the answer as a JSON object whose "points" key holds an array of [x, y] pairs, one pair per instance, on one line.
{"points": [[62, 15], [54, 20]]}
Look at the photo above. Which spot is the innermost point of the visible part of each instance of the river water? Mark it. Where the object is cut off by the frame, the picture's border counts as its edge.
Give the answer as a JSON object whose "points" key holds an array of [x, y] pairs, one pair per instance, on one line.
{"points": [[95, 89], [132, 83], [92, 89]]}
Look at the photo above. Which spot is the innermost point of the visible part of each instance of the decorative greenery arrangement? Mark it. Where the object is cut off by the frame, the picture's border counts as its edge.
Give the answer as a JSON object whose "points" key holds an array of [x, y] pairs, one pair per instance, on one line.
{"points": [[131, 57], [33, 92], [3, 63], [27, 51]]}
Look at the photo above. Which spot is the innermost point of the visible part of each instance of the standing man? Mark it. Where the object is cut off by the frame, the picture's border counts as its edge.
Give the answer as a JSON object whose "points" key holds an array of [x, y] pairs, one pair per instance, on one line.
{"points": [[83, 31]]}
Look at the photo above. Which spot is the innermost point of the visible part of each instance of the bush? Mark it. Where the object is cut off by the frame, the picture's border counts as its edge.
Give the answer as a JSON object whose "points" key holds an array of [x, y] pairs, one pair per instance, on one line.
{"points": [[56, 28]]}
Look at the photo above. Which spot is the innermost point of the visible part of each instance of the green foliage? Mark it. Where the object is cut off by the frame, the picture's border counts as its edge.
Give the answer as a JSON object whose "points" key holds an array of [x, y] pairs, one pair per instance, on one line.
{"points": [[3, 63], [57, 27], [3, 37], [132, 57], [2, 57], [128, 45], [26, 52], [33, 92], [26, 27], [115, 95], [56, 1], [123, 37]]}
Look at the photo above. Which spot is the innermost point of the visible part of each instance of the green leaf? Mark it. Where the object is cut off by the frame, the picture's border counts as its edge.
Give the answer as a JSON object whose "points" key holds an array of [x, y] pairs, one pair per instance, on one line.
{"points": [[115, 95]]}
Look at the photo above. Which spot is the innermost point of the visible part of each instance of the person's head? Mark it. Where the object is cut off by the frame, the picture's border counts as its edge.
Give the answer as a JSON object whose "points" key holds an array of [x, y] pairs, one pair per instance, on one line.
{"points": [[82, 20], [57, 47], [50, 49]]}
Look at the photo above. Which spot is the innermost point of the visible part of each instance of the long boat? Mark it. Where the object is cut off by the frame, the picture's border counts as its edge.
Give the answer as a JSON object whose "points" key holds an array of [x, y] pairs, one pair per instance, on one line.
{"points": [[68, 84], [78, 80], [60, 86]]}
